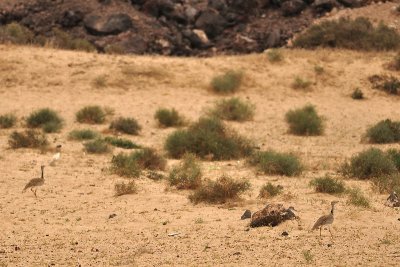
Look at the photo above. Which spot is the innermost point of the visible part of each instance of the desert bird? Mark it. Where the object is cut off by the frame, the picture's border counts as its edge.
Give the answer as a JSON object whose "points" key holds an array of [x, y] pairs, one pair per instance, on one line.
{"points": [[35, 182], [56, 156], [325, 220]]}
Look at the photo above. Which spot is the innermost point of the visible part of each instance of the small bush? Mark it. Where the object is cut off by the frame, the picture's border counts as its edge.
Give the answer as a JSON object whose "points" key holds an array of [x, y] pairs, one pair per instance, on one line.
{"points": [[227, 83], [125, 188], [16, 34], [269, 190], [7, 121], [148, 158], [388, 84], [125, 165], [187, 175], [357, 198], [64, 40], [328, 185], [114, 49], [206, 138], [274, 55], [357, 34], [394, 155], [45, 118], [370, 163], [169, 117], [304, 121], [219, 191], [91, 115], [121, 142], [387, 183], [233, 109], [357, 94], [271, 162], [319, 70], [395, 63], [100, 81], [98, 146], [385, 131], [85, 134], [300, 83], [27, 139], [126, 125]]}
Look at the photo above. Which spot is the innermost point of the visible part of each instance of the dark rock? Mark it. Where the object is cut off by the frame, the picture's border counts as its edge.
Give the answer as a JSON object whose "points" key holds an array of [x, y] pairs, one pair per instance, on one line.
{"points": [[112, 25], [284, 233], [324, 5], [219, 5], [211, 22], [274, 39], [112, 216], [264, 3], [350, 3], [71, 18], [246, 215], [237, 253], [243, 6], [158, 8], [105, 2], [271, 215], [292, 7]]}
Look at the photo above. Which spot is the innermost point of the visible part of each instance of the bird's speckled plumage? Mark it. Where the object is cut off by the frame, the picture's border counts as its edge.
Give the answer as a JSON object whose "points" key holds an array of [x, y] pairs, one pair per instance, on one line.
{"points": [[35, 182], [325, 219]]}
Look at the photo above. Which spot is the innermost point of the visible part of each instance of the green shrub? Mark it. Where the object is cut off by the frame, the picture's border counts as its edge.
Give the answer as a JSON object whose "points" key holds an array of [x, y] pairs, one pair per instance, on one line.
{"points": [[357, 198], [208, 138], [319, 70], [64, 40], [220, 191], [121, 142], [125, 165], [126, 125], [271, 162], [7, 121], [388, 84], [27, 139], [274, 55], [328, 185], [91, 115], [125, 188], [85, 134], [370, 163], [269, 190], [233, 109], [16, 34], [97, 146], [148, 158], [114, 49], [357, 94], [385, 131], [186, 175], [300, 83], [304, 121], [229, 82], [45, 118], [357, 34], [100, 81], [169, 117], [394, 155]]}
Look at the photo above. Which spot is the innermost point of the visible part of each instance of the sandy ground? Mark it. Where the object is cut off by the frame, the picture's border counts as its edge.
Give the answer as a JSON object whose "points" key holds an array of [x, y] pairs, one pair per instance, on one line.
{"points": [[69, 225]]}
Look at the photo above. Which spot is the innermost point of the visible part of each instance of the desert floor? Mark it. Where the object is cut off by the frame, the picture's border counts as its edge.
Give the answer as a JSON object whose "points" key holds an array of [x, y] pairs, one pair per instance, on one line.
{"points": [[69, 225]]}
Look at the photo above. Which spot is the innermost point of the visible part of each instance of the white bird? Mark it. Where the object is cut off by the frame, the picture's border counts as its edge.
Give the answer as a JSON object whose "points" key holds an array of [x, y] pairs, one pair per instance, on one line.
{"points": [[56, 156]]}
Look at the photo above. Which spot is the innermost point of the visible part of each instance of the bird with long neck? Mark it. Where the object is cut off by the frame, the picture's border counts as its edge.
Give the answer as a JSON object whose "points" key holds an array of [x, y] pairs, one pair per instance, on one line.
{"points": [[326, 220], [35, 182]]}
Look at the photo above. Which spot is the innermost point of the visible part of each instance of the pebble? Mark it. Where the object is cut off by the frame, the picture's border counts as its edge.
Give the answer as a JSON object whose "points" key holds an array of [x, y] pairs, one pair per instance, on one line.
{"points": [[112, 216], [284, 233]]}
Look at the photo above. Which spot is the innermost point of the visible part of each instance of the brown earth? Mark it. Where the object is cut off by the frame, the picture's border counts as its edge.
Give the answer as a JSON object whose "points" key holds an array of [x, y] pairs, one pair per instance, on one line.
{"points": [[68, 224]]}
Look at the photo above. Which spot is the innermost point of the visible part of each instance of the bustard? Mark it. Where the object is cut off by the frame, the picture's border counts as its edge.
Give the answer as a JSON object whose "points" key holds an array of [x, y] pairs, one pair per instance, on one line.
{"points": [[325, 220], [56, 156], [35, 182]]}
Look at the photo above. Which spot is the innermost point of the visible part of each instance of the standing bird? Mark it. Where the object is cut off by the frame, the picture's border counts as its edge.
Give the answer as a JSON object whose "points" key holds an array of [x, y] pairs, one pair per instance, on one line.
{"points": [[325, 220], [56, 156], [35, 182]]}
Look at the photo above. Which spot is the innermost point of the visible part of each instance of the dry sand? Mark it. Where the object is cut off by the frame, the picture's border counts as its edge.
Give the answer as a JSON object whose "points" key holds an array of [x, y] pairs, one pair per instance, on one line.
{"points": [[68, 224]]}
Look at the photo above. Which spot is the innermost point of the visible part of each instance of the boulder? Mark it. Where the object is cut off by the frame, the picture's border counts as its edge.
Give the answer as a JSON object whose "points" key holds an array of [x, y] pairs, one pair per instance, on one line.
{"points": [[246, 215], [273, 39], [350, 3], [219, 5], [292, 7], [324, 5], [211, 22], [71, 18], [158, 8], [272, 215], [111, 25], [243, 6]]}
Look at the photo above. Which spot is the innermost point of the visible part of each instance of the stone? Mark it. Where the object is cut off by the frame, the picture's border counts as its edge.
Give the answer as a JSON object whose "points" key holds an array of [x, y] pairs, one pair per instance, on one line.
{"points": [[292, 7], [71, 18], [246, 215], [111, 25], [211, 22]]}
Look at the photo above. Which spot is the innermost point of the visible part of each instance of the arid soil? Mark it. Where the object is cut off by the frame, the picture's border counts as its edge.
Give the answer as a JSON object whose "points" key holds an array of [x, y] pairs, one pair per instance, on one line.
{"points": [[69, 225]]}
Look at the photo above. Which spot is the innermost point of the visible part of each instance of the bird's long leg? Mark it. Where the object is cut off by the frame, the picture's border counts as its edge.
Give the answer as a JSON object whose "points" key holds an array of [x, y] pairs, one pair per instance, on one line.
{"points": [[330, 231], [35, 192], [320, 229]]}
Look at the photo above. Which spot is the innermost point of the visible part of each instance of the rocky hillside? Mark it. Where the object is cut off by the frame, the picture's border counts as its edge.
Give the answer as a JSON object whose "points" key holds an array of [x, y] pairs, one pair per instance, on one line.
{"points": [[172, 27]]}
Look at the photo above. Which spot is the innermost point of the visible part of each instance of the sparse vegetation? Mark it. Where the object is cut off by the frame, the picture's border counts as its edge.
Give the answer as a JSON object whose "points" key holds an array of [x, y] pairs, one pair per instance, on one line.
{"points": [[300, 83], [28, 139], [7, 121], [357, 34], [45, 118], [274, 55], [186, 175], [126, 125], [125, 165], [304, 121], [208, 138], [394, 155], [148, 158], [269, 190], [370, 163], [271, 162], [100, 81], [97, 146], [16, 34], [357, 94], [169, 117], [308, 256], [357, 198], [121, 142], [388, 84], [123, 188], [387, 183], [84, 134], [233, 109], [385, 131], [395, 63], [220, 191], [229, 82], [91, 115], [328, 185], [319, 70], [64, 40]]}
